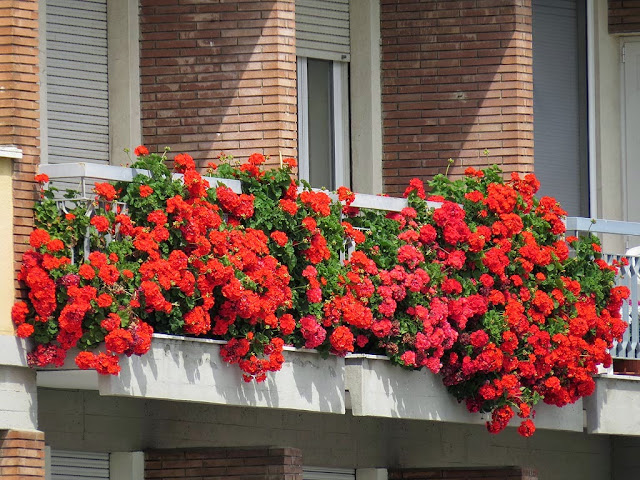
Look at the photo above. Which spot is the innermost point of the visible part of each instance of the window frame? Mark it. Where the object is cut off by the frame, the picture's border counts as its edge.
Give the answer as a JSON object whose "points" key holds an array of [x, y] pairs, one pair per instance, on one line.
{"points": [[340, 122]]}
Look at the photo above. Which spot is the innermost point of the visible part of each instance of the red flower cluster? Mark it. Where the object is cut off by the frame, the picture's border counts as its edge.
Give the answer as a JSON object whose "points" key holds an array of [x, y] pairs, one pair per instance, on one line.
{"points": [[542, 334]]}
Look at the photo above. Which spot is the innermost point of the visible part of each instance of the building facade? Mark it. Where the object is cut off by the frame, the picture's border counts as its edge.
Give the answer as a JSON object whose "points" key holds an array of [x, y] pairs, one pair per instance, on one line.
{"points": [[365, 93]]}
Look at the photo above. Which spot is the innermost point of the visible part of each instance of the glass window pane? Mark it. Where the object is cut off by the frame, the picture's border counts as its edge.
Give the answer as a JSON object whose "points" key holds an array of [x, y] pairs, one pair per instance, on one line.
{"points": [[321, 163]]}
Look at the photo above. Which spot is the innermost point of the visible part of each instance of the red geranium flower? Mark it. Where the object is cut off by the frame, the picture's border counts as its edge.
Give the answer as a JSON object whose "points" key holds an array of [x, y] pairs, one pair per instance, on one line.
{"points": [[141, 150], [145, 191]]}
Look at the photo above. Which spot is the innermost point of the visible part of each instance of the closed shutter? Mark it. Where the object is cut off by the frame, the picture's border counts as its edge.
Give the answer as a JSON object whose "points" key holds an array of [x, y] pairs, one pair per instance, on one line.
{"points": [[76, 74], [319, 473], [559, 102], [69, 465], [322, 29]]}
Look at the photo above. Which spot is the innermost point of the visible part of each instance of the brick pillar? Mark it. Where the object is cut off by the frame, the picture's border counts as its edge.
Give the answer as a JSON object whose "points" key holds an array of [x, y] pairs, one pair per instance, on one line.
{"points": [[219, 77], [259, 463], [19, 117], [487, 473], [21, 455], [624, 16], [456, 80]]}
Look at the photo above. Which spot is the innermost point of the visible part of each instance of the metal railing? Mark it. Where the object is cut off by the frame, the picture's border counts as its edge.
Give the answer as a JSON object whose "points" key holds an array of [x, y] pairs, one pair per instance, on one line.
{"points": [[629, 347]]}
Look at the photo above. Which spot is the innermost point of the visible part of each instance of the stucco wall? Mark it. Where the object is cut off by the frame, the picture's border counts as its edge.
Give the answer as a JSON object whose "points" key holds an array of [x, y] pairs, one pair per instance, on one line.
{"points": [[85, 421], [606, 92], [6, 247]]}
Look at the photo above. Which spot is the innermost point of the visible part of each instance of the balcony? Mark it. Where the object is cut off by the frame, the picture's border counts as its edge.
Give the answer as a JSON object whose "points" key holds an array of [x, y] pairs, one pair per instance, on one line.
{"points": [[190, 369], [614, 408]]}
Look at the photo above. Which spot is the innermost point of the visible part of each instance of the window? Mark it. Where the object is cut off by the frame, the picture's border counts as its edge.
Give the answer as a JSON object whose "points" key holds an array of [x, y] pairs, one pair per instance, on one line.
{"points": [[560, 102], [320, 473], [63, 465], [90, 100], [323, 140], [323, 49], [76, 81]]}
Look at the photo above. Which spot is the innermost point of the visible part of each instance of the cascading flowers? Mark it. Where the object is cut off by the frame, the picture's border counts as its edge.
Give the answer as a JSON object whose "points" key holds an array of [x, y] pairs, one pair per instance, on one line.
{"points": [[479, 288]]}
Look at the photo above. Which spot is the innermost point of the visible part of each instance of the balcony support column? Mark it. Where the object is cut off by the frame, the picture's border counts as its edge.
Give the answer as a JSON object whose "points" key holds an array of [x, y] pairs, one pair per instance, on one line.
{"points": [[371, 474]]}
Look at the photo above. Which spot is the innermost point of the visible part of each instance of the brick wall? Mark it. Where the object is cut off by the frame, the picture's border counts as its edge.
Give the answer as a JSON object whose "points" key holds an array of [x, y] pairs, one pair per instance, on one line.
{"points": [[266, 463], [504, 473], [21, 455], [456, 80], [19, 124], [624, 16], [219, 76]]}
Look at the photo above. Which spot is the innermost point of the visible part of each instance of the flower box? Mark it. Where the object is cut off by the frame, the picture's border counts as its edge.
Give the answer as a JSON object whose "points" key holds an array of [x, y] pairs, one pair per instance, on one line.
{"points": [[191, 369], [379, 389], [613, 409]]}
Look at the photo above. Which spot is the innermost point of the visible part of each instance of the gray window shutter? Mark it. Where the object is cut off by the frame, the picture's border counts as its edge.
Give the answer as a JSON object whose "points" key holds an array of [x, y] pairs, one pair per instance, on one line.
{"points": [[69, 465], [77, 86], [322, 29], [559, 103], [320, 473]]}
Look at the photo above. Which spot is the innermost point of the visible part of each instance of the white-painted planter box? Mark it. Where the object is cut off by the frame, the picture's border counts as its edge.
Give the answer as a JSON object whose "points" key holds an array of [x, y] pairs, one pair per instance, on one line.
{"points": [[380, 389], [614, 409], [191, 369]]}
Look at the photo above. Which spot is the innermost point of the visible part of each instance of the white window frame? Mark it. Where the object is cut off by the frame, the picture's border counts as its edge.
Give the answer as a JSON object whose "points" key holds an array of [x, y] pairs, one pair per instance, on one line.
{"points": [[340, 100]]}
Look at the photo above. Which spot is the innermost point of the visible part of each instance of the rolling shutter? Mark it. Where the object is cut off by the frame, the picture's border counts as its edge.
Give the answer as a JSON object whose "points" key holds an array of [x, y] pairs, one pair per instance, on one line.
{"points": [[68, 465], [320, 473], [322, 29], [559, 102], [76, 75]]}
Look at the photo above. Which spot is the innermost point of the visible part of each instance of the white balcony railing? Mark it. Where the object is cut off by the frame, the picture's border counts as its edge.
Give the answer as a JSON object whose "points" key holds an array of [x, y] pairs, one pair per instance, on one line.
{"points": [[629, 347]]}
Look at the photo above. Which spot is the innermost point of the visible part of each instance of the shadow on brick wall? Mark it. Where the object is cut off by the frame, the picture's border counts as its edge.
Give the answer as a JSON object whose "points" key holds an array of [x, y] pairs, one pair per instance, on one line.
{"points": [[456, 81], [218, 77]]}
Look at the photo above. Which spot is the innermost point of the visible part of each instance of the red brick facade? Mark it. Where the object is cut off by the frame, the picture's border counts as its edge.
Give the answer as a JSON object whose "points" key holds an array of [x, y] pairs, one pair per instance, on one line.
{"points": [[492, 473], [222, 463], [21, 455], [19, 117], [219, 76], [624, 16], [456, 81]]}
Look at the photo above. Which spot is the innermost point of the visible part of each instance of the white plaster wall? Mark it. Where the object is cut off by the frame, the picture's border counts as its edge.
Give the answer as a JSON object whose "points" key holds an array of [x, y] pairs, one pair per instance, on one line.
{"points": [[366, 98], [125, 130], [76, 420]]}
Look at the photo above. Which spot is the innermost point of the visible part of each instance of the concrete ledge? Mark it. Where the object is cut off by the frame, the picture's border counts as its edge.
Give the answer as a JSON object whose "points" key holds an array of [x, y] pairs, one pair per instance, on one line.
{"points": [[187, 369], [13, 351], [10, 151], [379, 389], [18, 399], [614, 408]]}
